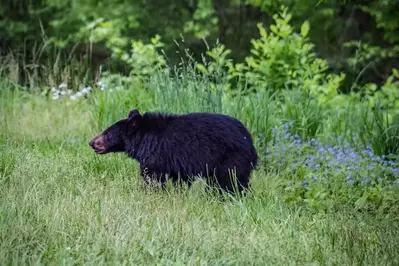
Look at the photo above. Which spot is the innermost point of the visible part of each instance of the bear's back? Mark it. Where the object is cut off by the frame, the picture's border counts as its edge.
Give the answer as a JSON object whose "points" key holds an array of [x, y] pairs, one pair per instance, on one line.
{"points": [[209, 127], [187, 142]]}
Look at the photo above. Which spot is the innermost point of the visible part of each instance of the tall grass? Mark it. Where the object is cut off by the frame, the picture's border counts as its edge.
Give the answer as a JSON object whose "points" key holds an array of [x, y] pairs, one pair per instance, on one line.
{"points": [[48, 67]]}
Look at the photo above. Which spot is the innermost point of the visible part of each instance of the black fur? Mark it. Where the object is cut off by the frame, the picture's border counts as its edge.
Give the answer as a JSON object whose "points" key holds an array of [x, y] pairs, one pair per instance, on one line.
{"points": [[183, 146]]}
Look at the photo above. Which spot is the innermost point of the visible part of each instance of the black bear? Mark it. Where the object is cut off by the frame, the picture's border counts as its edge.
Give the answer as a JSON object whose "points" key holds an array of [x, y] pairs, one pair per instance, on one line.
{"points": [[181, 146]]}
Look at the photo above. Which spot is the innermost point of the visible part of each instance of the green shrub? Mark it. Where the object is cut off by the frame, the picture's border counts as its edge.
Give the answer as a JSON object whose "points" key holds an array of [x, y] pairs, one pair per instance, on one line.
{"points": [[280, 59]]}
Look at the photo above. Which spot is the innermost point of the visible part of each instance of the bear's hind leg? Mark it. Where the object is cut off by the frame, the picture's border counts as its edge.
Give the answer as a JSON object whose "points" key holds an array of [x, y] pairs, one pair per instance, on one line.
{"points": [[233, 173]]}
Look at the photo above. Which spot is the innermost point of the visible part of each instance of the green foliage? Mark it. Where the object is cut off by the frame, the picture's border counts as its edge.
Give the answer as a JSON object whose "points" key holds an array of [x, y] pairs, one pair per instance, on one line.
{"points": [[282, 80], [218, 61], [59, 202], [191, 92], [204, 21], [326, 177], [382, 130], [144, 59], [369, 58], [115, 98], [106, 24], [184, 90], [271, 6], [387, 96], [385, 14], [281, 59], [306, 112], [284, 59]]}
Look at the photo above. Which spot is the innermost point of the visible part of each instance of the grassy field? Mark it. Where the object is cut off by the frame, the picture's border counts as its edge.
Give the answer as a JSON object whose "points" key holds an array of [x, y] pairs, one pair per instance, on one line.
{"points": [[62, 204]]}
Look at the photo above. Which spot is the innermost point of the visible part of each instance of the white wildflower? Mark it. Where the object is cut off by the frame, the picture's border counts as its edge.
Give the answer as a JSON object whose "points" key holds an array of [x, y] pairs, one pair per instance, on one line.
{"points": [[69, 92], [56, 97], [53, 89], [86, 90], [63, 92], [100, 83], [79, 94], [73, 97], [62, 85]]}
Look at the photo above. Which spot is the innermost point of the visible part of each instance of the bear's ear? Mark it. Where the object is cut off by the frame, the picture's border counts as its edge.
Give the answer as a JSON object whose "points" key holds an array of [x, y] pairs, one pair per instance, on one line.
{"points": [[134, 116], [133, 113]]}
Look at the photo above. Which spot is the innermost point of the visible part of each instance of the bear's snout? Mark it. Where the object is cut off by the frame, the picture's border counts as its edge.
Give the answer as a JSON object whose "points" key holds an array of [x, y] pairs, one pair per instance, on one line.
{"points": [[98, 144], [91, 143]]}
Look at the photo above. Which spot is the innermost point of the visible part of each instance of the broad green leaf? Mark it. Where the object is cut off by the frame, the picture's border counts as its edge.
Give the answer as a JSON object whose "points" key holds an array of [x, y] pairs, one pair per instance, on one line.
{"points": [[202, 68], [305, 29], [274, 29]]}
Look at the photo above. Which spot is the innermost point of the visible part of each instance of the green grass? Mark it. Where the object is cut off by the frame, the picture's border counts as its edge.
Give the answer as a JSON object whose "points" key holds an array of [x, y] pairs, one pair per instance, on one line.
{"points": [[62, 204], [64, 207]]}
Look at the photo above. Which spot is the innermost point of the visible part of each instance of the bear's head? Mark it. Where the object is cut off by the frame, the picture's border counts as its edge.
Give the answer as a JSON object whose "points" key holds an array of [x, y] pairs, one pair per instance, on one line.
{"points": [[114, 138]]}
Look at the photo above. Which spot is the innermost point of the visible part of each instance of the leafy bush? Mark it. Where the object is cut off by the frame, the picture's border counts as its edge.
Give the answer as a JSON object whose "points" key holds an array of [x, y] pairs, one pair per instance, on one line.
{"points": [[387, 96], [143, 60], [281, 59]]}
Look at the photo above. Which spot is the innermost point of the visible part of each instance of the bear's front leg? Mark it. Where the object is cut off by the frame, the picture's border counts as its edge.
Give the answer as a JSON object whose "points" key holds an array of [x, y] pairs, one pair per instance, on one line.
{"points": [[153, 178]]}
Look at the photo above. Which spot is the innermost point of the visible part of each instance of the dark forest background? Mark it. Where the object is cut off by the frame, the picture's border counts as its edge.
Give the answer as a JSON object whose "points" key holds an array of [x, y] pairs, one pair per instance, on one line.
{"points": [[359, 38]]}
